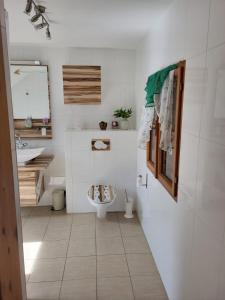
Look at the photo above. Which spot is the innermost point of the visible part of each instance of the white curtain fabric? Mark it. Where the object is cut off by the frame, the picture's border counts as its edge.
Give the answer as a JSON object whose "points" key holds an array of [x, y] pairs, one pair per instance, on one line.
{"points": [[166, 112], [164, 104], [145, 126]]}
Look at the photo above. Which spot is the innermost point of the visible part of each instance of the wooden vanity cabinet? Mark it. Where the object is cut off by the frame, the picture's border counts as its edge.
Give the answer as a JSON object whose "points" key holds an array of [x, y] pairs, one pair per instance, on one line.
{"points": [[27, 187], [31, 180]]}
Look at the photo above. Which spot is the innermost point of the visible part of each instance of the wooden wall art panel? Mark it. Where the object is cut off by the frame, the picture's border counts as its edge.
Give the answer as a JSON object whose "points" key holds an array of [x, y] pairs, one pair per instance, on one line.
{"points": [[82, 84]]}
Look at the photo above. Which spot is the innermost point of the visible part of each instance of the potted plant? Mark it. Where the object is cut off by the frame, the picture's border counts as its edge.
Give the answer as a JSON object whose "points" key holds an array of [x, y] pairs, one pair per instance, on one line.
{"points": [[124, 114]]}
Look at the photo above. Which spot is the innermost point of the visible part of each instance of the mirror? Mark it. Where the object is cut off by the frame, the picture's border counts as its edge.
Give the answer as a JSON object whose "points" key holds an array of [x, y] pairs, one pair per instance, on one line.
{"points": [[30, 91]]}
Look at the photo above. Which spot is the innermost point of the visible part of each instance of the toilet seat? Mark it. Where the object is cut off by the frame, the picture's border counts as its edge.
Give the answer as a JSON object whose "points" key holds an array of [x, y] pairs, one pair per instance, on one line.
{"points": [[101, 194]]}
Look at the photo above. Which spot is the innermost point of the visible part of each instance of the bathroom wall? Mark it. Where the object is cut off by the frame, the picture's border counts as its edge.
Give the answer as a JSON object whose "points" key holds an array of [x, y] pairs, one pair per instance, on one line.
{"points": [[118, 73], [187, 237], [85, 167]]}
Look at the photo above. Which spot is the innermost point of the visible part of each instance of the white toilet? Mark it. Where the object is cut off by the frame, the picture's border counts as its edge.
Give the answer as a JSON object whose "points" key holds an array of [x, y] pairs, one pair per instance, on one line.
{"points": [[101, 196]]}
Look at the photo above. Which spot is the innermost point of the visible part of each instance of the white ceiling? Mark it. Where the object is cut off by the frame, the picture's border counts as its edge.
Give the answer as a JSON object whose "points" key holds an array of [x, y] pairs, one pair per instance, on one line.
{"points": [[87, 23]]}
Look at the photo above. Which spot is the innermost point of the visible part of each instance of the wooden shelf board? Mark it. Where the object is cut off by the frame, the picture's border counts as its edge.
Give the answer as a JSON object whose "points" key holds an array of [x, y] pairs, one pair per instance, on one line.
{"points": [[38, 164]]}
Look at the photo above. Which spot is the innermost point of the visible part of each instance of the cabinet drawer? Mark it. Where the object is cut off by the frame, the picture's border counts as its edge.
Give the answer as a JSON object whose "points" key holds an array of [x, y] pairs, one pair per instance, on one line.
{"points": [[27, 188]]}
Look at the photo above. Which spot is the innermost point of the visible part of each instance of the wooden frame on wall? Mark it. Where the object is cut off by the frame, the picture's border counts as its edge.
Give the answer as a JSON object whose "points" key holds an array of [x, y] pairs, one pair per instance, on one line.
{"points": [[35, 132], [159, 169], [152, 154]]}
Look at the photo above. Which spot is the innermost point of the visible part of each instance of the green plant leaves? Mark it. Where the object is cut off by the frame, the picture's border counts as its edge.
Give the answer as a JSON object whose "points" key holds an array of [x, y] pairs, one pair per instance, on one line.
{"points": [[123, 113]]}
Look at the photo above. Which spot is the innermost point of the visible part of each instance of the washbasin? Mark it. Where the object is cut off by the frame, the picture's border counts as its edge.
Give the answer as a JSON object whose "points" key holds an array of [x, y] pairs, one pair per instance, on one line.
{"points": [[27, 154]]}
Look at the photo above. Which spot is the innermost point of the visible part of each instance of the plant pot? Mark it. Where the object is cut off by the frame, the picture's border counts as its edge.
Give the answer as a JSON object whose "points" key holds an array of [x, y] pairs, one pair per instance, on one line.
{"points": [[124, 124], [103, 125]]}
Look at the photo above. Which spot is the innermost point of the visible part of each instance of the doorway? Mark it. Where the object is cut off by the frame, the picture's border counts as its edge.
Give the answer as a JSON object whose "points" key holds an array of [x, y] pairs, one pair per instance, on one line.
{"points": [[12, 280]]}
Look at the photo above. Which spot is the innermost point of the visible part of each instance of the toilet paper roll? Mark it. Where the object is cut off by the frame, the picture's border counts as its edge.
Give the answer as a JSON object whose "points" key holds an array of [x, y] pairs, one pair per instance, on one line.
{"points": [[57, 181]]}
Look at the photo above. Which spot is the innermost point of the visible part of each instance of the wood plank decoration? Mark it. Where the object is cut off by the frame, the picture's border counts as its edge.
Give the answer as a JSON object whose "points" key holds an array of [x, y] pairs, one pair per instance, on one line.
{"points": [[40, 163], [82, 84], [100, 145]]}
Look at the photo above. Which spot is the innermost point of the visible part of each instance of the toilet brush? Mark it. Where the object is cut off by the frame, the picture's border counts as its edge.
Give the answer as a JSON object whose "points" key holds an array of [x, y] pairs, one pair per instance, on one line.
{"points": [[128, 206]]}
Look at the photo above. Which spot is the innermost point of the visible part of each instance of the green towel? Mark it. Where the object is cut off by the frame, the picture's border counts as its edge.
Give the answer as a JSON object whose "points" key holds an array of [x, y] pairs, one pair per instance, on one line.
{"points": [[155, 83]]}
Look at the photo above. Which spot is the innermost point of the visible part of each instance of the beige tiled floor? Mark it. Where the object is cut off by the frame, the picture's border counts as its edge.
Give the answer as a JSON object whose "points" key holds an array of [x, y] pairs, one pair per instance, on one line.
{"points": [[78, 257]]}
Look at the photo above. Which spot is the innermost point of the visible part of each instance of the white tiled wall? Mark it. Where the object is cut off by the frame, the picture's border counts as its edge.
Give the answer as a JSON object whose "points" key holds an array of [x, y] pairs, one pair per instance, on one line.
{"points": [[118, 74], [187, 238], [85, 167]]}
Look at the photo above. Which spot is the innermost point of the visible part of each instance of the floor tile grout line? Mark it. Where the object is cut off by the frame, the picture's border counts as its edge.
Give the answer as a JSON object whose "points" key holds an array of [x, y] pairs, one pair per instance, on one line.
{"points": [[121, 236], [45, 281], [46, 229], [65, 259], [97, 277], [127, 262]]}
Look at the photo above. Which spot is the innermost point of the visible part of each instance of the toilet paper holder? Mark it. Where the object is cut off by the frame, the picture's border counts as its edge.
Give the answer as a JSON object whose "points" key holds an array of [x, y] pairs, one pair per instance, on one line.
{"points": [[140, 181]]}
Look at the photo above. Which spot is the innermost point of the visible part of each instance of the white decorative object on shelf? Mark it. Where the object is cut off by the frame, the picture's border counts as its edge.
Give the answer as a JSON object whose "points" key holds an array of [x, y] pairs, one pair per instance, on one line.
{"points": [[43, 131], [100, 145]]}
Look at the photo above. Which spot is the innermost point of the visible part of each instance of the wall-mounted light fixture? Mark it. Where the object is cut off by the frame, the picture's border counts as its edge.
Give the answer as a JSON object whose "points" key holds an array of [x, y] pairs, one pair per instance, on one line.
{"points": [[39, 11], [28, 7], [48, 34], [41, 25]]}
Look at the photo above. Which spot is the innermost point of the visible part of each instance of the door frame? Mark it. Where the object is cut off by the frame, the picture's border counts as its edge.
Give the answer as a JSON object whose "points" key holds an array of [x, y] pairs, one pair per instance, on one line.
{"points": [[12, 276]]}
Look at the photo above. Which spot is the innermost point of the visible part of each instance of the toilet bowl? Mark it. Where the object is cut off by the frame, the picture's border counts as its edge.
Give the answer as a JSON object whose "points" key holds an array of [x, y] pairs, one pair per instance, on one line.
{"points": [[101, 196]]}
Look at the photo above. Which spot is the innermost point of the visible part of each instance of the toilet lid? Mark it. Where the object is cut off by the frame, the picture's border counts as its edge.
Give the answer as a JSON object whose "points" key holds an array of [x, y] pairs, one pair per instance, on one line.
{"points": [[101, 193]]}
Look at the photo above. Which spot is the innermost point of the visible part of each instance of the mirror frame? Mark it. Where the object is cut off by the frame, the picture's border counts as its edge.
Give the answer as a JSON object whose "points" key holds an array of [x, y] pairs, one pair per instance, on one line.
{"points": [[36, 131]]}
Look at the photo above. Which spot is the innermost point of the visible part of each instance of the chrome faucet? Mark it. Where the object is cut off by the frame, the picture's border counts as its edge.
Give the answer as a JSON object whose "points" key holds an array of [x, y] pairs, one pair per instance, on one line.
{"points": [[19, 143]]}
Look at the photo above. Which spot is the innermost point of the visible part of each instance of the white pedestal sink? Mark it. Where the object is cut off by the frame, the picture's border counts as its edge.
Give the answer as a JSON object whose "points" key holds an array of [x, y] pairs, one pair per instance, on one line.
{"points": [[27, 154]]}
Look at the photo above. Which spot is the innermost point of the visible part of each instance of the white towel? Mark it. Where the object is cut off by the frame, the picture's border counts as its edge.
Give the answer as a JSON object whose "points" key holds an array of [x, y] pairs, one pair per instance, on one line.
{"points": [[145, 126]]}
